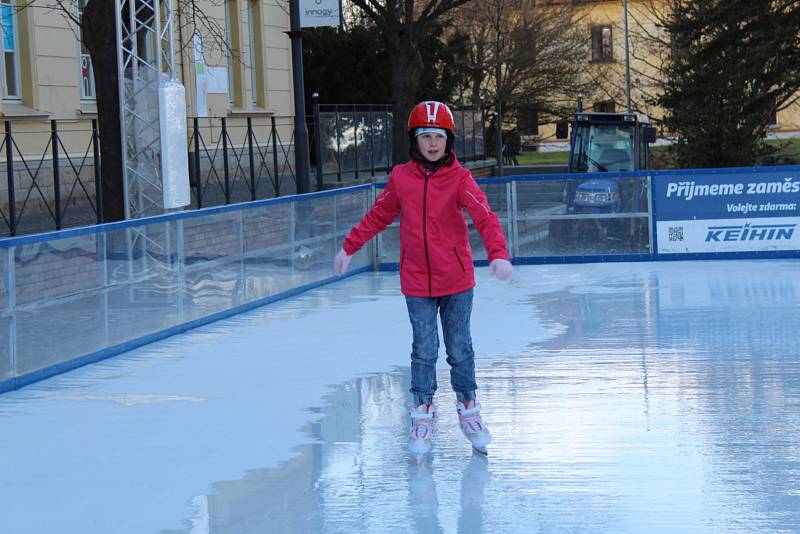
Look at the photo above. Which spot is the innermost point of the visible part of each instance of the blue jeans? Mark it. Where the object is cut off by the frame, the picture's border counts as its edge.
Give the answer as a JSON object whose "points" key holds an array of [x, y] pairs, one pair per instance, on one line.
{"points": [[455, 311]]}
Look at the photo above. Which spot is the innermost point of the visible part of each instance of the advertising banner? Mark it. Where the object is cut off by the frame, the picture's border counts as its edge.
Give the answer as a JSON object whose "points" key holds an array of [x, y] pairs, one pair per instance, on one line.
{"points": [[316, 13], [727, 212]]}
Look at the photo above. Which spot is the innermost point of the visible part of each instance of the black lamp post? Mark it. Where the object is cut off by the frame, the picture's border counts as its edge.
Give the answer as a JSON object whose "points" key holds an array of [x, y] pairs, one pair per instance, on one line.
{"points": [[301, 151]]}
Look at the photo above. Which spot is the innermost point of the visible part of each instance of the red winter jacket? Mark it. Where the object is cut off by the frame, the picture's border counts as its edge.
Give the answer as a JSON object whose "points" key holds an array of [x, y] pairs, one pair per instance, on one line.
{"points": [[435, 256]]}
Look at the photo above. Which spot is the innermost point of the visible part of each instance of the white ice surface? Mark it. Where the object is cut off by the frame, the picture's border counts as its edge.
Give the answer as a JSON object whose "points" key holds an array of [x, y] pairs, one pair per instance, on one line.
{"points": [[624, 398], [122, 446]]}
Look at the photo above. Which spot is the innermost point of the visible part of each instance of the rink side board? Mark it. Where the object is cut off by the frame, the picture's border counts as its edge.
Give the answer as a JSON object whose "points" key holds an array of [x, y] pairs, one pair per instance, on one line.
{"points": [[695, 214], [727, 212]]}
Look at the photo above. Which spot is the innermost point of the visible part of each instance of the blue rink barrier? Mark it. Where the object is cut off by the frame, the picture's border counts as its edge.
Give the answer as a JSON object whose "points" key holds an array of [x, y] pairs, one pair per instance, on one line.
{"points": [[658, 216], [77, 296]]}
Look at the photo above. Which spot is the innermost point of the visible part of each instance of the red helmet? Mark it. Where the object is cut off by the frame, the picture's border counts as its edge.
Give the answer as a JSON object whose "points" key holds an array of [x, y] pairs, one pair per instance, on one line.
{"points": [[431, 114]]}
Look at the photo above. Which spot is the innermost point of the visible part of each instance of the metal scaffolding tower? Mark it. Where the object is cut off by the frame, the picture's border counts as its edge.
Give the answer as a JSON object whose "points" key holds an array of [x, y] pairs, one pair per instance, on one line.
{"points": [[145, 37]]}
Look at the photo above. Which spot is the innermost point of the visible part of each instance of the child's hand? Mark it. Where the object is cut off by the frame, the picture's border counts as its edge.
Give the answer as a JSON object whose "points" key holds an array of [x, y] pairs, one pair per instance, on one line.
{"points": [[501, 268], [341, 262]]}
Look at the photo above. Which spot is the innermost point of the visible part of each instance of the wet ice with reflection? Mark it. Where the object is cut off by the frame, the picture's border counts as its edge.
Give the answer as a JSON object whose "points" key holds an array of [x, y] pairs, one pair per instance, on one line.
{"points": [[663, 405], [624, 398]]}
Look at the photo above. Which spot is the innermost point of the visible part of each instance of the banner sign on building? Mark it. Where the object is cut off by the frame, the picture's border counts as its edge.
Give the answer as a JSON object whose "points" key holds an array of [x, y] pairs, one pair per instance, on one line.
{"points": [[727, 212], [315, 13]]}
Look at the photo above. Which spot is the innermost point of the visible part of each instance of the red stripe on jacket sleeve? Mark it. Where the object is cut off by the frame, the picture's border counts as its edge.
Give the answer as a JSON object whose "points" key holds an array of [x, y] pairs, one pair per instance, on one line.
{"points": [[485, 220], [382, 214]]}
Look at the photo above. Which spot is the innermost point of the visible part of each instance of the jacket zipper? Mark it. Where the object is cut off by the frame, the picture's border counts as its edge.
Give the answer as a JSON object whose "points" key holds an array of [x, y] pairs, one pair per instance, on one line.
{"points": [[425, 233]]}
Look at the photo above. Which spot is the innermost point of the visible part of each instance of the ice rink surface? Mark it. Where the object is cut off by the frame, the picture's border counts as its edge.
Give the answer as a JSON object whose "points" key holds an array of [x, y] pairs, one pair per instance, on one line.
{"points": [[623, 398]]}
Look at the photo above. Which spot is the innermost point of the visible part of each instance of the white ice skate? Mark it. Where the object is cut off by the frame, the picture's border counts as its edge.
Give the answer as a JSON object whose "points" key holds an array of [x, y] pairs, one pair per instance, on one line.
{"points": [[469, 417], [419, 442]]}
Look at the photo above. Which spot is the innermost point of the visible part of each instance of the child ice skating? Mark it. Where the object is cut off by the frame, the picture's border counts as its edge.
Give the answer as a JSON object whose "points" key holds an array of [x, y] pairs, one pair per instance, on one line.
{"points": [[436, 271]]}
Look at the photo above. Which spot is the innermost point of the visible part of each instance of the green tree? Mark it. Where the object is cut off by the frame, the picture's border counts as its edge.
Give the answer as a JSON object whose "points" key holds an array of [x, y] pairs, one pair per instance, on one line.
{"points": [[734, 63], [346, 66], [444, 52], [403, 25], [352, 66]]}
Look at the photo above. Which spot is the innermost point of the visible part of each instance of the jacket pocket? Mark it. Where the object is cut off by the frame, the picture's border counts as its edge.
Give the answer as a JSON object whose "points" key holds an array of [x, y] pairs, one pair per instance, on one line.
{"points": [[461, 263]]}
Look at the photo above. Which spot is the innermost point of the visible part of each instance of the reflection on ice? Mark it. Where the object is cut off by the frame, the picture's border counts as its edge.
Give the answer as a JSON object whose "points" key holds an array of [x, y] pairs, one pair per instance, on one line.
{"points": [[622, 398], [357, 475]]}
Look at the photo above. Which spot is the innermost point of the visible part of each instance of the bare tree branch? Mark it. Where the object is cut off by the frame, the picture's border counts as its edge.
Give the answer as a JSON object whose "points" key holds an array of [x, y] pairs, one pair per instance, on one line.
{"points": [[540, 50]]}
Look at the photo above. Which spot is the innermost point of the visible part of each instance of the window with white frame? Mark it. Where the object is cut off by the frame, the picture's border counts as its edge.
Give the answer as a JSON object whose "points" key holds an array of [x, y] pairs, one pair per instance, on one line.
{"points": [[10, 40], [252, 28], [84, 59]]}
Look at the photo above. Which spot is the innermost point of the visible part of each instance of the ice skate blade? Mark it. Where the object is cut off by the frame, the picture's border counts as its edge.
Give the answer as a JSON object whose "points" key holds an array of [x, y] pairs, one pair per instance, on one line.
{"points": [[482, 452]]}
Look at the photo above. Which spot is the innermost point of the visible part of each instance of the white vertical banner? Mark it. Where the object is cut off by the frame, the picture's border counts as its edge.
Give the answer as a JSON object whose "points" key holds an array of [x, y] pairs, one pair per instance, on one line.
{"points": [[174, 151], [200, 78], [316, 13]]}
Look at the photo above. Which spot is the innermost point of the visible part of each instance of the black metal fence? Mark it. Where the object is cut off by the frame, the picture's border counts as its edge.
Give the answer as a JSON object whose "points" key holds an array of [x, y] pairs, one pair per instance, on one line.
{"points": [[240, 161], [53, 176], [356, 140], [351, 142], [50, 185]]}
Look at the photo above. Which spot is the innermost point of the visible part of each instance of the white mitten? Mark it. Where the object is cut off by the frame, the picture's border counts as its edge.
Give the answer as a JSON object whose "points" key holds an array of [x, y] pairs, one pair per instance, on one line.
{"points": [[341, 262], [501, 268]]}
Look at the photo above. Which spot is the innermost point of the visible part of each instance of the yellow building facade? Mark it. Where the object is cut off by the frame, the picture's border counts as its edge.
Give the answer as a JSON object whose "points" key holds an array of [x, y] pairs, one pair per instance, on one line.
{"points": [[47, 75], [605, 62]]}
